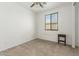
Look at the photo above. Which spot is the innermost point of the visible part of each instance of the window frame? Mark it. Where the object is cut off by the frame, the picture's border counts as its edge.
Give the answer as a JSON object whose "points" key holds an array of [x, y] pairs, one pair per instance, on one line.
{"points": [[51, 29]]}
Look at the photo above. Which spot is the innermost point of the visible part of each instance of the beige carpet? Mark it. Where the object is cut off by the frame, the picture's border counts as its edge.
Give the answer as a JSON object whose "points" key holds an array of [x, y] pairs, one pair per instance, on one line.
{"points": [[40, 47]]}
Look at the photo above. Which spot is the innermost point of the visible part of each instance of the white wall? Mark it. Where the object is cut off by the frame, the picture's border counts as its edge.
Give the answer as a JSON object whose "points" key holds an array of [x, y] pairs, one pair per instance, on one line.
{"points": [[73, 25], [76, 23], [16, 25], [64, 24]]}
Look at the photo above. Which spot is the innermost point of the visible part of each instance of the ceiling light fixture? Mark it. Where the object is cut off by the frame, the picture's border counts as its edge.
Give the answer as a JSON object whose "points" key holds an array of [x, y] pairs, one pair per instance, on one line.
{"points": [[41, 4]]}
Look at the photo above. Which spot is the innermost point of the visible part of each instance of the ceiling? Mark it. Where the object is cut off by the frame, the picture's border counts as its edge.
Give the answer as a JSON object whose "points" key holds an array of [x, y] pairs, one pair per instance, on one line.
{"points": [[46, 7]]}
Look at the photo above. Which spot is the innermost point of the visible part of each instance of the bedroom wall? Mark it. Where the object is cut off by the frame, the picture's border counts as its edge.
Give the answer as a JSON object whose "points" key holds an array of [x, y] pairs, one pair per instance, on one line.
{"points": [[76, 23], [65, 23], [16, 25]]}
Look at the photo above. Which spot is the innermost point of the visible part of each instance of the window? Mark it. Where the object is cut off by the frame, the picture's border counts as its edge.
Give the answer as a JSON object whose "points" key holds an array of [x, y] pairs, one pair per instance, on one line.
{"points": [[51, 22]]}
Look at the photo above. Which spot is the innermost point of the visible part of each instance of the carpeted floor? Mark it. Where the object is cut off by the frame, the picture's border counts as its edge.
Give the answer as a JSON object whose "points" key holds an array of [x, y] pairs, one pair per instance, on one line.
{"points": [[40, 47]]}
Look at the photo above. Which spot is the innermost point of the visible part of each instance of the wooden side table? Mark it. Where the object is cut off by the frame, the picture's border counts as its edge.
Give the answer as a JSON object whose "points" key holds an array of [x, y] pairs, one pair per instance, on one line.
{"points": [[64, 36]]}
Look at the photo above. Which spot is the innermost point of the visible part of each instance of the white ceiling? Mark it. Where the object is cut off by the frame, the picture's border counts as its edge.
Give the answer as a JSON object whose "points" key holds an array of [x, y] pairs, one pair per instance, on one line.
{"points": [[46, 7]]}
